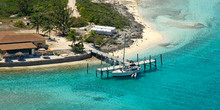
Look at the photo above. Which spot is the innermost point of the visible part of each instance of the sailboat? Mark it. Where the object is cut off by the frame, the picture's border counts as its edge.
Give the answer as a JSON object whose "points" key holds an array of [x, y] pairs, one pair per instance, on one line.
{"points": [[126, 70]]}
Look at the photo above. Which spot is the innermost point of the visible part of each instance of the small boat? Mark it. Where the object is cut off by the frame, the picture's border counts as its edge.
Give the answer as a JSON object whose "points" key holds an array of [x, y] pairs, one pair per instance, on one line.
{"points": [[122, 72], [125, 70]]}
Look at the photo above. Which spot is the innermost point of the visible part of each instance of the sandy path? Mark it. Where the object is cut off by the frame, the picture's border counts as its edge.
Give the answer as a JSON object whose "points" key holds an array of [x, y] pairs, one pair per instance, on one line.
{"points": [[149, 35], [72, 5]]}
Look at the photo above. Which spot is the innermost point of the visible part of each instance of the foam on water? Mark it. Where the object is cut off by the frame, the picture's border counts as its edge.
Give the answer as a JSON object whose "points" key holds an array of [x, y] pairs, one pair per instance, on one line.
{"points": [[179, 21]]}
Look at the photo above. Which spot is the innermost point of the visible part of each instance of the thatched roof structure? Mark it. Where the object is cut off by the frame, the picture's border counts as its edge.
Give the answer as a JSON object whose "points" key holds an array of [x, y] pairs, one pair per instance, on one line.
{"points": [[19, 54], [7, 55]]}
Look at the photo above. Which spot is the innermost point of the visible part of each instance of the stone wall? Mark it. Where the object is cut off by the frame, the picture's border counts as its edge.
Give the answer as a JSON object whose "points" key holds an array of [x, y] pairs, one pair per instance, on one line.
{"points": [[48, 61]]}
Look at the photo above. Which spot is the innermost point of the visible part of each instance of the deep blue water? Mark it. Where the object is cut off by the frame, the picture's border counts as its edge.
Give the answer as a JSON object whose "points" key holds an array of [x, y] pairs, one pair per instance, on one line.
{"points": [[188, 80]]}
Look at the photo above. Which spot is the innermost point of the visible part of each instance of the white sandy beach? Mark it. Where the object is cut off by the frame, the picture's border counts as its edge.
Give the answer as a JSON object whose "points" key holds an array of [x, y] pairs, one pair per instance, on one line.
{"points": [[149, 35]]}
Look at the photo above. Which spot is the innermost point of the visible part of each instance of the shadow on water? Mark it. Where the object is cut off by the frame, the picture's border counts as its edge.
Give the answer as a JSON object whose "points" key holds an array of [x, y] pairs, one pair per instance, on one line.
{"points": [[140, 75]]}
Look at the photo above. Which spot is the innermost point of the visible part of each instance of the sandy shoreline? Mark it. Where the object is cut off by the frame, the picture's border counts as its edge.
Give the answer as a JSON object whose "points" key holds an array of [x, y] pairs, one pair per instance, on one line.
{"points": [[149, 35]]}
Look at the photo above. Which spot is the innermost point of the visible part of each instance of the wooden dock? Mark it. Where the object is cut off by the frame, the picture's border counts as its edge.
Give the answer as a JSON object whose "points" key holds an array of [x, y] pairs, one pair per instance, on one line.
{"points": [[114, 61], [104, 55], [111, 68]]}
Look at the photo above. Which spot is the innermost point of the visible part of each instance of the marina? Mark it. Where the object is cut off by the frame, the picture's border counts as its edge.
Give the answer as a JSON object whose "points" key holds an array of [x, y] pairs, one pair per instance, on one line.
{"points": [[121, 67], [151, 63], [114, 63]]}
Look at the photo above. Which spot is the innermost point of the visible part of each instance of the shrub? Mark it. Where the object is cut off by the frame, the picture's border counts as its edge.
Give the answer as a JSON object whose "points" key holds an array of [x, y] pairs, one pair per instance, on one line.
{"points": [[20, 24], [79, 22], [57, 54], [95, 38], [78, 47], [101, 14]]}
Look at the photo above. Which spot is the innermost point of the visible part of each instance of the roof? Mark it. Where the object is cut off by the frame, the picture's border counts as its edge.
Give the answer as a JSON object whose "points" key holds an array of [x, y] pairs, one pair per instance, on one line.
{"points": [[105, 27], [17, 46], [4, 33], [11, 37]]}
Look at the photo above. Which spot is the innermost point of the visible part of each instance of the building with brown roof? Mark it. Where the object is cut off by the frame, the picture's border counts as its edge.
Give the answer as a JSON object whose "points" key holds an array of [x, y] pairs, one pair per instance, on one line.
{"points": [[12, 43]]}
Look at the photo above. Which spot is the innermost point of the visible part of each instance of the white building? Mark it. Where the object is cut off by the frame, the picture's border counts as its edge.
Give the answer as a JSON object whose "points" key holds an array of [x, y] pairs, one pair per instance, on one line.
{"points": [[107, 30]]}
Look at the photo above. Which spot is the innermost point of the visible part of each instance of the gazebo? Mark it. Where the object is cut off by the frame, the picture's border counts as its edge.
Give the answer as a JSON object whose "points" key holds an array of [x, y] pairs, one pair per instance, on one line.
{"points": [[20, 55]]}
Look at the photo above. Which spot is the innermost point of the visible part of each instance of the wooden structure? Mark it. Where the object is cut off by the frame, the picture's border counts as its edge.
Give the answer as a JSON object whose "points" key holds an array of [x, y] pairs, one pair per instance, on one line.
{"points": [[116, 63]]}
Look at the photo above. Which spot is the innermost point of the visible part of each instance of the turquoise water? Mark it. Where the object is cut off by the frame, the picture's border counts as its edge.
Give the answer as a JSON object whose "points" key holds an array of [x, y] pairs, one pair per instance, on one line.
{"points": [[188, 80]]}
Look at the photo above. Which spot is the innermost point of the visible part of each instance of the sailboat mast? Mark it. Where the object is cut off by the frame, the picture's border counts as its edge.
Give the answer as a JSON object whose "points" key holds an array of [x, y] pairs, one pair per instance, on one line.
{"points": [[124, 50]]}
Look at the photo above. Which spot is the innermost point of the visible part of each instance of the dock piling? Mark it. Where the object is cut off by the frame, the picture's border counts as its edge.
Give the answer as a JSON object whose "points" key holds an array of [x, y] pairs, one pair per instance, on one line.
{"points": [[144, 63], [96, 72], [155, 63], [107, 72], [101, 74], [87, 68], [138, 59], [150, 62], [161, 59], [114, 65]]}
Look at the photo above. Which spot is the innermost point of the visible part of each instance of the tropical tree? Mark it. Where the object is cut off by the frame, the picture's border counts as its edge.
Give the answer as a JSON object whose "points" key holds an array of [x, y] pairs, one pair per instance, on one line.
{"points": [[48, 26], [72, 36], [62, 16], [24, 6], [37, 21], [48, 29], [79, 47]]}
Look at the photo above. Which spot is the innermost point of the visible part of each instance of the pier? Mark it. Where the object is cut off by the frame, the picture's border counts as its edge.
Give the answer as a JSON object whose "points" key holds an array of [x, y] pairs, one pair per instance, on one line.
{"points": [[105, 56], [117, 63]]}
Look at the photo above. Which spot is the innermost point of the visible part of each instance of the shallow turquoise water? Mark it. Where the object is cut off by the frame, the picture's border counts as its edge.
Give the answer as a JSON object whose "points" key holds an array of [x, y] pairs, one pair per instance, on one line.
{"points": [[188, 80]]}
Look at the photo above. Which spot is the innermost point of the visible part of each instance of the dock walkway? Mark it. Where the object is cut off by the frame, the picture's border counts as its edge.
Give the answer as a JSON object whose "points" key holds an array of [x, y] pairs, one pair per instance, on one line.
{"points": [[111, 68], [105, 55], [114, 67]]}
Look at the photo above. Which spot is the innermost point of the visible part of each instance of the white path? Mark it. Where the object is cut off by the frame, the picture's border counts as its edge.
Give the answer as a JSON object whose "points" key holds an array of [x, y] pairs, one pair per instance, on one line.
{"points": [[72, 5]]}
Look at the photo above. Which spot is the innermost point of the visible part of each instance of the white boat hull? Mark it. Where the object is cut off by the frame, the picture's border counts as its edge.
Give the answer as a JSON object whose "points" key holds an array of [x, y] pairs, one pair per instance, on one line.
{"points": [[118, 73]]}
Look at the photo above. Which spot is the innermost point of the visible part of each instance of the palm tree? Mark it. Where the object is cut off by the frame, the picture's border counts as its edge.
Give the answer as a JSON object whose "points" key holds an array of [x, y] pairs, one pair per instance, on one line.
{"points": [[47, 29], [72, 36], [36, 21]]}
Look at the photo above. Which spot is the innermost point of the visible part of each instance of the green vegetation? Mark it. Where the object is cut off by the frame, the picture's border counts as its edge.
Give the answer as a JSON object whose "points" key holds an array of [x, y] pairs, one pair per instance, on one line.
{"points": [[79, 22], [26, 7], [57, 54], [36, 21], [95, 38], [72, 36], [44, 13], [61, 16], [7, 8], [20, 24], [101, 14], [79, 47]]}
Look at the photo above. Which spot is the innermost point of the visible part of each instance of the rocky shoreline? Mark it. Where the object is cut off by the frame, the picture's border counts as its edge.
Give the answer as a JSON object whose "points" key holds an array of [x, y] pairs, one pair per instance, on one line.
{"points": [[133, 31]]}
